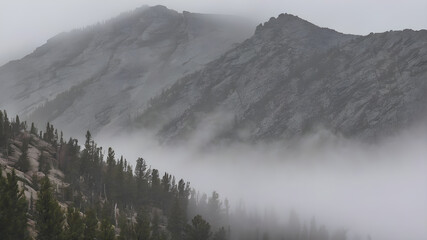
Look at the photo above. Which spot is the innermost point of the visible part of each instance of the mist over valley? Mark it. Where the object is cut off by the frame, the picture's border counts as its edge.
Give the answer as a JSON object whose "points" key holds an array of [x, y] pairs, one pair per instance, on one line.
{"points": [[160, 124]]}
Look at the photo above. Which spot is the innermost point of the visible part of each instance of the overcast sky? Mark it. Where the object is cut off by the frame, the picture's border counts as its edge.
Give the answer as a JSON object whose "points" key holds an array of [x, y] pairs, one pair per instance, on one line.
{"points": [[27, 24]]}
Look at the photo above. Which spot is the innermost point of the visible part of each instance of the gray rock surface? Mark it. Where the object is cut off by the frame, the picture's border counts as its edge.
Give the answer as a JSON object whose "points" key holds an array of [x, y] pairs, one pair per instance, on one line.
{"points": [[293, 77], [101, 76], [182, 75]]}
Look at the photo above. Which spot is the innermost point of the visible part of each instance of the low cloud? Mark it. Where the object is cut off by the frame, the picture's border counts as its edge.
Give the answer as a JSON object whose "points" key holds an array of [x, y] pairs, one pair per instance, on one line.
{"points": [[378, 189]]}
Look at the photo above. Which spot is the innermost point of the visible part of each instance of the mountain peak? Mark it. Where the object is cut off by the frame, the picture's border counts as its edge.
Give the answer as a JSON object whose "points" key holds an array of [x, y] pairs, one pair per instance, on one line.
{"points": [[284, 21], [131, 57], [297, 33], [159, 9]]}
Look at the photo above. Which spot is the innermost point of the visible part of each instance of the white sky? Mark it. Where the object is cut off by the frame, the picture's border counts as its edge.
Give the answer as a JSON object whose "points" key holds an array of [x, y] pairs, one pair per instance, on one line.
{"points": [[27, 24]]}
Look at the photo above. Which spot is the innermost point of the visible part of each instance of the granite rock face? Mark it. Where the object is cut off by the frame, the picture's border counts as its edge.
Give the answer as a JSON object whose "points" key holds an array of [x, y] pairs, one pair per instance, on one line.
{"points": [[293, 77], [101, 76], [186, 74]]}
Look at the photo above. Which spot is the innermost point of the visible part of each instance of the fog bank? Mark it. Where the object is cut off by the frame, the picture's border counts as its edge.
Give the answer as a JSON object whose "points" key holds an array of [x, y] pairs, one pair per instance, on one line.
{"points": [[377, 189]]}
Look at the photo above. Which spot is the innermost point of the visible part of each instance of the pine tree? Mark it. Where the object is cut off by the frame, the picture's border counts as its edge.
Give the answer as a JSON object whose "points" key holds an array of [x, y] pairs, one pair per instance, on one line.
{"points": [[214, 209], [61, 141], [155, 187], [49, 217], [75, 225], [106, 231], [155, 228], [198, 230], [2, 131], [91, 225], [33, 129], [86, 156], [176, 221], [16, 125], [142, 228], [13, 209], [7, 133], [126, 228], [23, 163], [44, 165], [109, 178], [141, 178]]}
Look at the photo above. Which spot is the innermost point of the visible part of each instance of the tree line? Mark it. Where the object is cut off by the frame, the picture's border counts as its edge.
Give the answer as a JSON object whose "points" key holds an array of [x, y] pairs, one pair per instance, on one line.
{"points": [[106, 198]]}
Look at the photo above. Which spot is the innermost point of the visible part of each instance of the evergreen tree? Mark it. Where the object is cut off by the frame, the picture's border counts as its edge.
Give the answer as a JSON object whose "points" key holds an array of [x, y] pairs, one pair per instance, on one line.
{"points": [[23, 163], [61, 138], [176, 221], [111, 158], [109, 178], [214, 209], [49, 217], [140, 169], [16, 125], [75, 225], [86, 156], [13, 209], [6, 133], [2, 131], [118, 183], [33, 129], [44, 165], [155, 187], [106, 231], [126, 228], [155, 228], [91, 225], [198, 230], [141, 178], [142, 228]]}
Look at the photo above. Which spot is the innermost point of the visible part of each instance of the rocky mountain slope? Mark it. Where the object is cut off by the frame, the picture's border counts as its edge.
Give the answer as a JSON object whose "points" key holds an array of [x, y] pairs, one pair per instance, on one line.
{"points": [[104, 74], [292, 77], [28, 180], [180, 75]]}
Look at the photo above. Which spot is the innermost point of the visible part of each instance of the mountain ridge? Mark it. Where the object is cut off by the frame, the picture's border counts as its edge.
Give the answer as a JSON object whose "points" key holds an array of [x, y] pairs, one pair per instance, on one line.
{"points": [[161, 70], [131, 57], [303, 90]]}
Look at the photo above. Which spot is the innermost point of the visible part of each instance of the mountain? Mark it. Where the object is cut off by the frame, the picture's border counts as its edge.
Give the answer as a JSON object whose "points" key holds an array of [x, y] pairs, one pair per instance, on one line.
{"points": [[183, 75], [292, 77], [104, 74]]}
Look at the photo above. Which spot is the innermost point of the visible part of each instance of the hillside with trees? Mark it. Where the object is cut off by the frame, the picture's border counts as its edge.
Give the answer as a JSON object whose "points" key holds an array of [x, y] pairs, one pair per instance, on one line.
{"points": [[56, 189]]}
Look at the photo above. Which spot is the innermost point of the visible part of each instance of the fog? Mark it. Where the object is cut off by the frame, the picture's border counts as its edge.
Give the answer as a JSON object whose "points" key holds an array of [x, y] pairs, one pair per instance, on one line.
{"points": [[378, 189], [26, 24]]}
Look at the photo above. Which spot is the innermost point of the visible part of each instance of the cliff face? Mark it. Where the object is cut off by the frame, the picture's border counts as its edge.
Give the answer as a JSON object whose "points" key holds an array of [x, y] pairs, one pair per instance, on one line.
{"points": [[292, 77], [104, 74]]}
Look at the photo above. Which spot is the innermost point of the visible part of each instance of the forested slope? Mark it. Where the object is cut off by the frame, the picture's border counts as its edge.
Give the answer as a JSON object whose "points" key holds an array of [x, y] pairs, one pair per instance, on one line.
{"points": [[57, 189]]}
